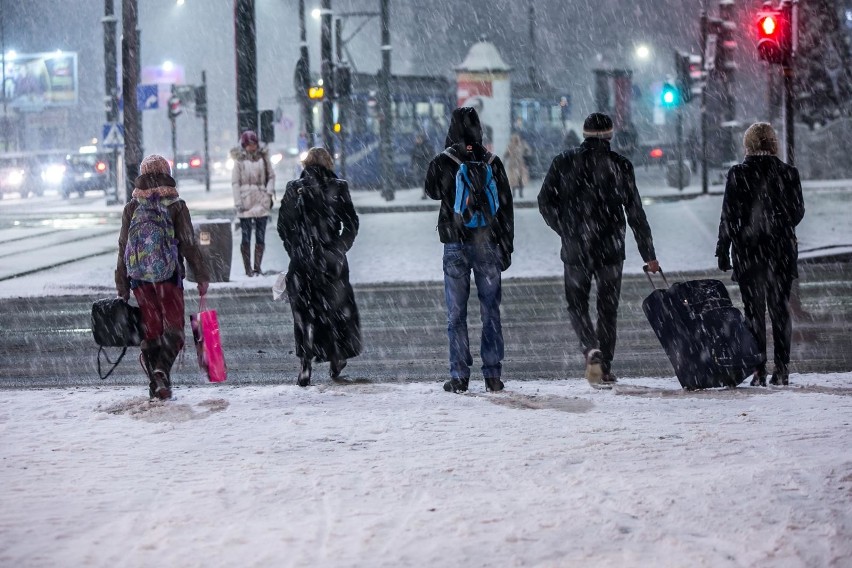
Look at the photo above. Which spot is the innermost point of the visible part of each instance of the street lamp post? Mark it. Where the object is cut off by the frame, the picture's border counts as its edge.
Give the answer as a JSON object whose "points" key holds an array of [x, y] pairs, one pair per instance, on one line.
{"points": [[3, 58], [327, 69], [385, 100]]}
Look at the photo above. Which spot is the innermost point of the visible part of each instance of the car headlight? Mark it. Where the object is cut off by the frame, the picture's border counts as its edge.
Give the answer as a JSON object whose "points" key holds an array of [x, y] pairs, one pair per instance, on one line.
{"points": [[275, 158], [15, 178], [53, 174]]}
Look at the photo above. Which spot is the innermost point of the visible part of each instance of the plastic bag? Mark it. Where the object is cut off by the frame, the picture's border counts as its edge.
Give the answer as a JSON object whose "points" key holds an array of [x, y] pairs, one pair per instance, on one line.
{"points": [[279, 289]]}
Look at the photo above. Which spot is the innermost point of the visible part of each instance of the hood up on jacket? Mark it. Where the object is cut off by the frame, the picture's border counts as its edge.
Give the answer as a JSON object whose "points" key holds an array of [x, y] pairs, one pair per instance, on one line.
{"points": [[465, 128], [155, 186]]}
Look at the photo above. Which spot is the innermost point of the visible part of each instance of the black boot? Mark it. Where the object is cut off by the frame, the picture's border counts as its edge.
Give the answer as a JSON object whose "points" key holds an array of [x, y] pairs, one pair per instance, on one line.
{"points": [[780, 377], [456, 385], [148, 358], [258, 258], [305, 374], [759, 377], [336, 367], [493, 384], [246, 254]]}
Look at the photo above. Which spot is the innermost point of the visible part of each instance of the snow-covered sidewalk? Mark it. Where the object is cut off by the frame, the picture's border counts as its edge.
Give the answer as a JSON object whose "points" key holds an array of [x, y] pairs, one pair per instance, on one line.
{"points": [[547, 473]]}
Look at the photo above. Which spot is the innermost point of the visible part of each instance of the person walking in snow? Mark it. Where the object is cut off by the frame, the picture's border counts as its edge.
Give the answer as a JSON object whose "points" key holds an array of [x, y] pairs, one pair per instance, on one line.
{"points": [[253, 184], [156, 236], [515, 158], [318, 225], [486, 250], [584, 198], [762, 206]]}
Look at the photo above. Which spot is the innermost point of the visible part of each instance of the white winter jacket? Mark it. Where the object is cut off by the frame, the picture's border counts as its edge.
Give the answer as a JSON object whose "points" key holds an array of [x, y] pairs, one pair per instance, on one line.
{"points": [[253, 183]]}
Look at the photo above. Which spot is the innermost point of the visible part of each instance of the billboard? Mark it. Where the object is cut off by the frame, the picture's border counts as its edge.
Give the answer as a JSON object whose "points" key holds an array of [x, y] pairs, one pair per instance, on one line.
{"points": [[39, 80]]}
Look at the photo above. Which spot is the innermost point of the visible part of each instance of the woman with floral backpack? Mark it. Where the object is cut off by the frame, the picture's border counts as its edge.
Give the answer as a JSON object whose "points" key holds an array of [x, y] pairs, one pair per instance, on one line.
{"points": [[156, 236]]}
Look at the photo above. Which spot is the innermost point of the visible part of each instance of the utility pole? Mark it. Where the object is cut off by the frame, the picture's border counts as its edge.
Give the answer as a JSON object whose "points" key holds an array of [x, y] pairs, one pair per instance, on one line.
{"points": [[532, 72], [173, 123], [789, 75], [246, 53], [129, 81], [304, 68], [705, 174], [388, 177], [341, 96], [5, 122], [204, 117], [111, 88], [327, 70]]}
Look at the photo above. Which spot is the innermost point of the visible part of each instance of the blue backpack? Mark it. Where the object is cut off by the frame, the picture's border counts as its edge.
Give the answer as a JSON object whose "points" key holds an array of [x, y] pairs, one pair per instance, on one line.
{"points": [[151, 254], [476, 201]]}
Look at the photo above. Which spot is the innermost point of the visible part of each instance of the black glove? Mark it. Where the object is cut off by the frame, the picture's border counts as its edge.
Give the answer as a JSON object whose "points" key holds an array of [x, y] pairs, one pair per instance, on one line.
{"points": [[724, 261]]}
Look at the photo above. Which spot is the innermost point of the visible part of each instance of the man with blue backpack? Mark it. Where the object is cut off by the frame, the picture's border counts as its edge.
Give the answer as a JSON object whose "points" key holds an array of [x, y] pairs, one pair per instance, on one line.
{"points": [[476, 225], [156, 235]]}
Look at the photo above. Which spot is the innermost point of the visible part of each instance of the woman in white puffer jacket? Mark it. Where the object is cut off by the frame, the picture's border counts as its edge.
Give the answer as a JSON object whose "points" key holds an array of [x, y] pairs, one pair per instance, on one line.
{"points": [[253, 182]]}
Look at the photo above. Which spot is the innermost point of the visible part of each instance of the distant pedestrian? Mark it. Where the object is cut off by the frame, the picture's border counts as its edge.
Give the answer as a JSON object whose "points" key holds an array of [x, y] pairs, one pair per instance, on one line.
{"points": [[762, 206], [156, 236], [421, 154], [318, 225], [584, 198], [571, 140], [476, 225], [515, 158], [253, 183]]}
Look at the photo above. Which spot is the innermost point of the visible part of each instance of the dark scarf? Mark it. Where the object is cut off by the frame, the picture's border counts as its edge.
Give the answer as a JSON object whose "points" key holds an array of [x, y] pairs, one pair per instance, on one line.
{"points": [[150, 181]]}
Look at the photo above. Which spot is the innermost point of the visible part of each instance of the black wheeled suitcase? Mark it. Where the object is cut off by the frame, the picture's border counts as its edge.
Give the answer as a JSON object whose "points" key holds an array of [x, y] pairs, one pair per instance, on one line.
{"points": [[703, 334]]}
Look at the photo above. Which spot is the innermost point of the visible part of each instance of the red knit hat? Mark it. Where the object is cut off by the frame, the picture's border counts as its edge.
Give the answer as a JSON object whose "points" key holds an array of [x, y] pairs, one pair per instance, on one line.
{"points": [[155, 164], [248, 137]]}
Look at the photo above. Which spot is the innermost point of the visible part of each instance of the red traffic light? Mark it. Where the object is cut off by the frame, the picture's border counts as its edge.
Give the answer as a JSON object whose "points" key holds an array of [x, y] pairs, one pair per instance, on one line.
{"points": [[775, 35], [768, 25]]}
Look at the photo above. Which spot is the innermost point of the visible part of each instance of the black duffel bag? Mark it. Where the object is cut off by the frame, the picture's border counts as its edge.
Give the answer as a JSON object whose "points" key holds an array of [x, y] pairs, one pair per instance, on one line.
{"points": [[115, 323]]}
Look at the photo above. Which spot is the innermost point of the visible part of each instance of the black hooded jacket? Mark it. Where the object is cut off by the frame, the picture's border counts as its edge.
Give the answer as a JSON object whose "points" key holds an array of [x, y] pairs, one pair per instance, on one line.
{"points": [[763, 204], [584, 198], [464, 140]]}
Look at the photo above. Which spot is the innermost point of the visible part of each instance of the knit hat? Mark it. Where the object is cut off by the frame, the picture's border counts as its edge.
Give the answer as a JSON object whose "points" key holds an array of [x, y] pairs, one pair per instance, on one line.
{"points": [[155, 164], [598, 125], [760, 140], [248, 137]]}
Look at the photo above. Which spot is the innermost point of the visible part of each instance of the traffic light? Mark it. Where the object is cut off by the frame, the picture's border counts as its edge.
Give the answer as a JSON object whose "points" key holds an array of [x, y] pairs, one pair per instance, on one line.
{"points": [[689, 74], [201, 101], [316, 93], [174, 106], [267, 126], [343, 80], [774, 35], [670, 97]]}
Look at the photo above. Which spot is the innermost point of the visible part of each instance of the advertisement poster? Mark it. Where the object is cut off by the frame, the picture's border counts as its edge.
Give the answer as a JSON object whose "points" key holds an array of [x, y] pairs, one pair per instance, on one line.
{"points": [[39, 80]]}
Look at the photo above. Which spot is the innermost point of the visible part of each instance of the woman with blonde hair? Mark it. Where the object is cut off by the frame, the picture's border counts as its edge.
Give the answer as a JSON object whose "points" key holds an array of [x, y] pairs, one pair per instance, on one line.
{"points": [[318, 225]]}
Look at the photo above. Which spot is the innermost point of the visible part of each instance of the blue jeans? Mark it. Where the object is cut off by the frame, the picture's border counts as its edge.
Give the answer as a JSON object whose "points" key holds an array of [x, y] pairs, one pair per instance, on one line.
{"points": [[259, 225], [484, 260]]}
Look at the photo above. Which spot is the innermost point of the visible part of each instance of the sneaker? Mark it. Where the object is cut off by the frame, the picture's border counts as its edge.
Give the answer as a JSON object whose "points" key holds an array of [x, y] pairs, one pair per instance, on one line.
{"points": [[594, 371], [161, 387], [304, 378], [759, 378], [456, 385], [336, 367], [492, 385], [780, 377]]}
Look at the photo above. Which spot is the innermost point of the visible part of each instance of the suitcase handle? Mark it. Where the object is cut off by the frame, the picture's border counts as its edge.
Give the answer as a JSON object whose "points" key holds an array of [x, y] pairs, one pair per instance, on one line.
{"points": [[648, 274]]}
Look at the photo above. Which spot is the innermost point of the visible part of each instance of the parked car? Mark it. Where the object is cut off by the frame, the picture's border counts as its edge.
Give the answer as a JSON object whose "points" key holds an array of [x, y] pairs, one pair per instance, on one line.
{"points": [[190, 165], [85, 171]]}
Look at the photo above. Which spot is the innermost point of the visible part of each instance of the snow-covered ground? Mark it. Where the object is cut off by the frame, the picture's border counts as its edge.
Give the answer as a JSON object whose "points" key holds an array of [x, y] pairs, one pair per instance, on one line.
{"points": [[547, 473]]}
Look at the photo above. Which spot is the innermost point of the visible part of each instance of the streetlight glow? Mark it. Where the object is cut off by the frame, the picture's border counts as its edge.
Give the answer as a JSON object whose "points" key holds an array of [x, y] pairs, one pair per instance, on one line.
{"points": [[316, 13], [180, 2], [643, 52], [168, 66]]}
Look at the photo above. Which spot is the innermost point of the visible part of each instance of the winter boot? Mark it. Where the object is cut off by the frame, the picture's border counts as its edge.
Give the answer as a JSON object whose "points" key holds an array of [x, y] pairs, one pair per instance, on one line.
{"points": [[305, 374], [493, 384], [244, 251], [759, 377], [336, 367], [780, 376], [161, 385], [258, 258], [148, 359], [456, 385]]}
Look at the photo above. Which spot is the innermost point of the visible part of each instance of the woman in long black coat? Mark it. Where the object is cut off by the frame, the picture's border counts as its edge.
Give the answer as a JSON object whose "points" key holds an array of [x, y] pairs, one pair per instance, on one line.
{"points": [[318, 225]]}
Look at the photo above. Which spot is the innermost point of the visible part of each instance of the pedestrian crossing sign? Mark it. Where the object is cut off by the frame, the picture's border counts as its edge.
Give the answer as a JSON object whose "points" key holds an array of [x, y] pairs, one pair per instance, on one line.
{"points": [[113, 135]]}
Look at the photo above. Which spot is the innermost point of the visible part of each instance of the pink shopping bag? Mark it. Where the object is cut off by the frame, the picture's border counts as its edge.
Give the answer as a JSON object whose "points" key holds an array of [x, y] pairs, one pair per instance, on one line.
{"points": [[208, 344]]}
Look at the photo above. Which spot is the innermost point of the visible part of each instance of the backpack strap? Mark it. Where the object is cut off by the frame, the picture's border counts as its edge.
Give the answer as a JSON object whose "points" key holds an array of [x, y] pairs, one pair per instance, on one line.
{"points": [[452, 156], [489, 158], [106, 356]]}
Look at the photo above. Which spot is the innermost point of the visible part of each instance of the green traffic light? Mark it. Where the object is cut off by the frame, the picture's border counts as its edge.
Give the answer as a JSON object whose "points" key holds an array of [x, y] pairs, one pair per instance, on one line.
{"points": [[670, 96]]}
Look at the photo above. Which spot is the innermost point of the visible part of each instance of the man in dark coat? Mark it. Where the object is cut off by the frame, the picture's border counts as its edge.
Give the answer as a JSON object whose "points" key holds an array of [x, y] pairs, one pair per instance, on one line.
{"points": [[318, 224], [763, 204], [487, 251], [584, 198]]}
